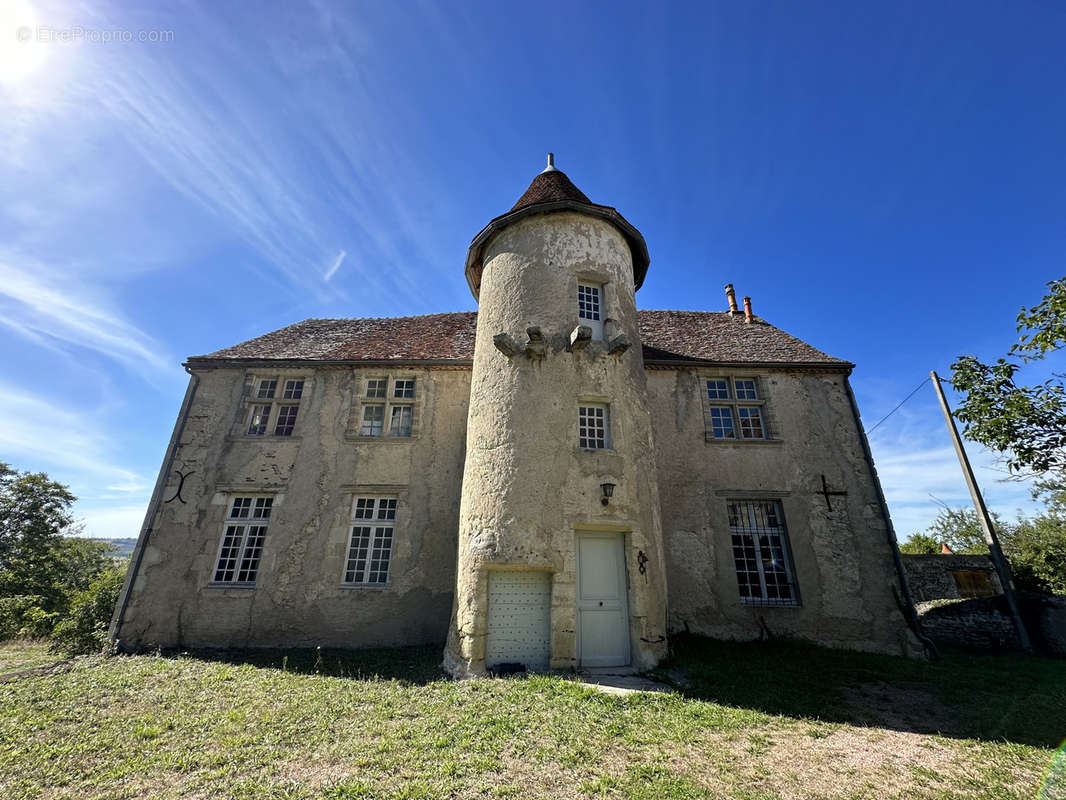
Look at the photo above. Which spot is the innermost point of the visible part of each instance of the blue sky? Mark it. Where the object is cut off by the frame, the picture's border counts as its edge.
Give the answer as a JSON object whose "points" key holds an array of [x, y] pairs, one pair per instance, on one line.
{"points": [[886, 180]]}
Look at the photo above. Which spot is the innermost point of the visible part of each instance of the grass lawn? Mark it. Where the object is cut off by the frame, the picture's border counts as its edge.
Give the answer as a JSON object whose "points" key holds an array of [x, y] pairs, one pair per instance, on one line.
{"points": [[24, 654], [747, 721]]}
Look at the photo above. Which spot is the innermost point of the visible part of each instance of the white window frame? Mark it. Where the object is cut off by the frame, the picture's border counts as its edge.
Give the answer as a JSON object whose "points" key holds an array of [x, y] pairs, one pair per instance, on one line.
{"points": [[590, 306], [244, 531], [372, 517], [593, 442], [269, 395], [760, 545], [740, 402], [389, 393]]}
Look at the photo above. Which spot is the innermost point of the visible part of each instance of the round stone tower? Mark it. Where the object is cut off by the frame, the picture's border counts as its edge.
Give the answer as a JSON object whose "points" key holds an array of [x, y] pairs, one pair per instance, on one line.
{"points": [[560, 540]]}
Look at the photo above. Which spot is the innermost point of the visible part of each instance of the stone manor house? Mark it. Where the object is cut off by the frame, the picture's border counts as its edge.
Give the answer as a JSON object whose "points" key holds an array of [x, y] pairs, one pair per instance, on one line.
{"points": [[558, 480]]}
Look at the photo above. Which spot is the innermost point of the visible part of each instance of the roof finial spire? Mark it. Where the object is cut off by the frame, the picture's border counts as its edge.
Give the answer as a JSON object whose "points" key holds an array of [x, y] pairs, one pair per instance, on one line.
{"points": [[551, 164]]}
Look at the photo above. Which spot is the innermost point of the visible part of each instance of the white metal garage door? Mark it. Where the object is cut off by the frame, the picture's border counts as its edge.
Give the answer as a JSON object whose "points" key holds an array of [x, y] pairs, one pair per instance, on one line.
{"points": [[519, 625]]}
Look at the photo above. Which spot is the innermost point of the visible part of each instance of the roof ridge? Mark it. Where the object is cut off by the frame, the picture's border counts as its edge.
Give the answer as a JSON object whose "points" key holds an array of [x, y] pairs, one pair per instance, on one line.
{"points": [[406, 316]]}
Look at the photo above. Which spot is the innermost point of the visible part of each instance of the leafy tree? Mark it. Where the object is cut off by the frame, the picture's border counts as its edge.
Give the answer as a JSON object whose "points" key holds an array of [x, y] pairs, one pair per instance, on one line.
{"points": [[960, 529], [46, 576], [1027, 424], [34, 511], [921, 544], [85, 627], [1035, 548]]}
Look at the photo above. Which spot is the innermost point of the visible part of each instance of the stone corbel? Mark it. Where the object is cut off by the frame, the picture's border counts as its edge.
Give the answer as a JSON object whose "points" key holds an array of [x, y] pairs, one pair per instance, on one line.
{"points": [[536, 346], [580, 337], [619, 344], [505, 344]]}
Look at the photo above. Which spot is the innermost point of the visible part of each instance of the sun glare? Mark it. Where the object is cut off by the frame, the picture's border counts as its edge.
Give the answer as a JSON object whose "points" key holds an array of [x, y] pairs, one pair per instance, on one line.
{"points": [[21, 53]]}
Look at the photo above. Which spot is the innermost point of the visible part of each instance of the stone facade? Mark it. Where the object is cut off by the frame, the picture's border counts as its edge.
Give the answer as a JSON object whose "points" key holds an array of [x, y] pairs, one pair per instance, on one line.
{"points": [[932, 577], [352, 537]]}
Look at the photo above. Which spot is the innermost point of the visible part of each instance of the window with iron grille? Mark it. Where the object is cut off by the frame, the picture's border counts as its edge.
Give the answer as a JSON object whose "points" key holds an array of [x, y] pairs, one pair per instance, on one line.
{"points": [[243, 535], [589, 311], [370, 543], [387, 407], [735, 410], [761, 553], [593, 427], [282, 406]]}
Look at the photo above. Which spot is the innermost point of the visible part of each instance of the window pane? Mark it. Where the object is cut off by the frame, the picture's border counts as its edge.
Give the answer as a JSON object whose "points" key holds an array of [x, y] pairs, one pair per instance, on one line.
{"points": [[286, 420], [267, 389], [253, 547], [750, 423], [379, 556], [588, 301], [241, 506], [718, 389], [400, 424], [293, 390], [764, 574], [746, 390], [355, 570], [373, 420], [257, 425], [263, 505], [387, 508], [592, 427], [375, 387], [227, 556], [404, 389], [364, 508], [722, 422]]}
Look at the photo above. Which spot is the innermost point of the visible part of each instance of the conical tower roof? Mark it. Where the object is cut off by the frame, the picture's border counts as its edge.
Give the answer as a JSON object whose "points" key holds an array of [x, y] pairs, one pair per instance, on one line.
{"points": [[550, 186], [549, 192]]}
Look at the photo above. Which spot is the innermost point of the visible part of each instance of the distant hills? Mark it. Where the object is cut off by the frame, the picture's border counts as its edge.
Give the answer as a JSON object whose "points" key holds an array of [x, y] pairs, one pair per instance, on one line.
{"points": [[123, 547]]}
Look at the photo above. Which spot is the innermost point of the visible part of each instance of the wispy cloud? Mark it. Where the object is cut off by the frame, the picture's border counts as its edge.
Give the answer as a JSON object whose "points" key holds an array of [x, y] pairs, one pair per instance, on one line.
{"points": [[42, 433], [919, 470], [336, 265], [38, 434], [48, 311]]}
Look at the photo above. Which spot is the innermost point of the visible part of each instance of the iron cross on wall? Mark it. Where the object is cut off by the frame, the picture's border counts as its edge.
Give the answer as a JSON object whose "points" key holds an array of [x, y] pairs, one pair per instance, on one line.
{"points": [[827, 493]]}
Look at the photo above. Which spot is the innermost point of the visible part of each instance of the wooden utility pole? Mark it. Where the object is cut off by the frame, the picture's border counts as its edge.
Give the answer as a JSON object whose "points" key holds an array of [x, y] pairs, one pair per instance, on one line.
{"points": [[989, 530]]}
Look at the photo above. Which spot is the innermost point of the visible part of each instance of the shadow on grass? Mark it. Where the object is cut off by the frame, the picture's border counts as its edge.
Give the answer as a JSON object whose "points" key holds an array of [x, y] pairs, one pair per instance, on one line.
{"points": [[410, 665], [993, 697]]}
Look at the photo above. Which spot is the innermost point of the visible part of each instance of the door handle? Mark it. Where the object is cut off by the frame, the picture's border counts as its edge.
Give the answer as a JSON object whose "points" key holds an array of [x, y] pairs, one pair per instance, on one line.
{"points": [[601, 602]]}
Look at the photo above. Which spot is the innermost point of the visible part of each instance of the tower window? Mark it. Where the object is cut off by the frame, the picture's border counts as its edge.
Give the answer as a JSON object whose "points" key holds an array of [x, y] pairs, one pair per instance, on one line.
{"points": [[590, 307], [593, 426]]}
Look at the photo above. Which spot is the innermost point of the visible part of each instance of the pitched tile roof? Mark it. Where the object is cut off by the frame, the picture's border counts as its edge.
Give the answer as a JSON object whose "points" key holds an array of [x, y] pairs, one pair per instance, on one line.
{"points": [[674, 336]]}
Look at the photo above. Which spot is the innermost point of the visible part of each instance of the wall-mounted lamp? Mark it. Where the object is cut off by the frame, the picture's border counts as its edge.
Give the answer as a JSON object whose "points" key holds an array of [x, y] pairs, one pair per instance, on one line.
{"points": [[608, 492]]}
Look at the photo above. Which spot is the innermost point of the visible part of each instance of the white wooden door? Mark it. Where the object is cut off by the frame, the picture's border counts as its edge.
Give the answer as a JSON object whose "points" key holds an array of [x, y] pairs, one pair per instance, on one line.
{"points": [[519, 624], [602, 610]]}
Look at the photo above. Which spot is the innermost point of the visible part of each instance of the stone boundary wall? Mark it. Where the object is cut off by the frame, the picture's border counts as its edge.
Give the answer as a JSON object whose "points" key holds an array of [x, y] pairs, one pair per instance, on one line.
{"points": [[984, 624], [929, 576]]}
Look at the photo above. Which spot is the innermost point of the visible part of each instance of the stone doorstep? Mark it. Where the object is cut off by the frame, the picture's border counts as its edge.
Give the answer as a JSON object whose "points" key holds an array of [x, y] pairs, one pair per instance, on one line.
{"points": [[619, 681]]}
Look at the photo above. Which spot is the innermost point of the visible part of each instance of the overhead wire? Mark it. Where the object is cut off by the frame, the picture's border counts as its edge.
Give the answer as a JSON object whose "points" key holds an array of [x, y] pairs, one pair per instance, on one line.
{"points": [[898, 407]]}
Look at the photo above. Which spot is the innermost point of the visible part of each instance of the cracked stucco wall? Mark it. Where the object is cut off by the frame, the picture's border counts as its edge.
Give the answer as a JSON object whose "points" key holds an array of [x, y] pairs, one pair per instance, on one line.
{"points": [[313, 475], [842, 559]]}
